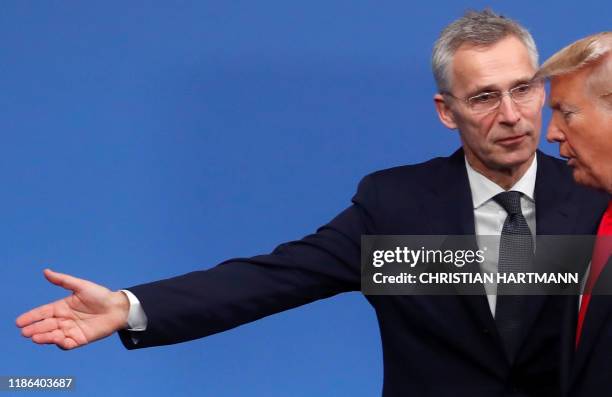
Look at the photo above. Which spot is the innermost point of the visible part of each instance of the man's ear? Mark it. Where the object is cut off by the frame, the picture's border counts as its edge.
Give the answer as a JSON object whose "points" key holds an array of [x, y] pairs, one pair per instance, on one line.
{"points": [[444, 112]]}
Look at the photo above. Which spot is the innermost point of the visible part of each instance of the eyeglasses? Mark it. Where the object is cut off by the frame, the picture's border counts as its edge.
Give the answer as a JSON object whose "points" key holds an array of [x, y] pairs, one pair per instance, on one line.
{"points": [[488, 101]]}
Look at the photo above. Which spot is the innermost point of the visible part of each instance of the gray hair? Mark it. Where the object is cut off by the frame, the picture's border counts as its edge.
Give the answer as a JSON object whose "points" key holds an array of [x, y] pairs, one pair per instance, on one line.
{"points": [[594, 50], [479, 28]]}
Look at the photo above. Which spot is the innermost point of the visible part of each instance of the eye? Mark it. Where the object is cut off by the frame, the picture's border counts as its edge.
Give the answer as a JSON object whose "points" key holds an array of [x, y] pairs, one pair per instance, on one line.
{"points": [[566, 114], [521, 90], [484, 98]]}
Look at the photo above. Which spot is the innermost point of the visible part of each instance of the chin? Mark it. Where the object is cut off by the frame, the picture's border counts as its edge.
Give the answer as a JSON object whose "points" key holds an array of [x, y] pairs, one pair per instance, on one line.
{"points": [[582, 178], [515, 159]]}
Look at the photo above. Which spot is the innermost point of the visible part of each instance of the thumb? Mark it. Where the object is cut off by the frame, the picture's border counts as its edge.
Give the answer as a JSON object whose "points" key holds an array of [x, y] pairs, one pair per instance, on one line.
{"points": [[64, 280]]}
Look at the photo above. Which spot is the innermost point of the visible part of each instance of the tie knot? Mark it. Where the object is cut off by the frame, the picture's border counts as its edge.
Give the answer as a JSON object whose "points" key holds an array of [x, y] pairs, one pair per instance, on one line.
{"points": [[511, 201]]}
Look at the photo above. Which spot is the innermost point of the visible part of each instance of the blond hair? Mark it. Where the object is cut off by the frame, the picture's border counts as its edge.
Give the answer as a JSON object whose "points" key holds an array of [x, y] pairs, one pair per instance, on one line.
{"points": [[593, 51]]}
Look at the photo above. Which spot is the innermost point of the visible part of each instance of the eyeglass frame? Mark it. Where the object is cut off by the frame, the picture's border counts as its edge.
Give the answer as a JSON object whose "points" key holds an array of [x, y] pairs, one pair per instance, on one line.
{"points": [[534, 82]]}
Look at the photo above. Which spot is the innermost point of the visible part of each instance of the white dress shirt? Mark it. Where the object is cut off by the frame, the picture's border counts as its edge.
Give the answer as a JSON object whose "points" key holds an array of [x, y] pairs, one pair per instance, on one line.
{"points": [[489, 220]]}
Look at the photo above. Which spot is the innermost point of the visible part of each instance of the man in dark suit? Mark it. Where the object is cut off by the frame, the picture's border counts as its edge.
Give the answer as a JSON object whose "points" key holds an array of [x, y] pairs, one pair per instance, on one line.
{"points": [[581, 100], [432, 345]]}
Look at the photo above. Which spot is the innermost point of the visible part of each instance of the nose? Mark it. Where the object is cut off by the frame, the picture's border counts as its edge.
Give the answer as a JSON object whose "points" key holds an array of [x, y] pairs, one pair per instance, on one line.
{"points": [[508, 112], [553, 133]]}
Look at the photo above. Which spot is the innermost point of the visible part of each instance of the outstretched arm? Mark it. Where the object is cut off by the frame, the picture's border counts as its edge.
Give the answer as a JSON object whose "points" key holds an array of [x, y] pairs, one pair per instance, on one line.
{"points": [[92, 312]]}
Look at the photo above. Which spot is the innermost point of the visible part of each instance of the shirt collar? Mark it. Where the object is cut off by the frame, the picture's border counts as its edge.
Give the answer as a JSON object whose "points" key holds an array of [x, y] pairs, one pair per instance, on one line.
{"points": [[483, 189]]}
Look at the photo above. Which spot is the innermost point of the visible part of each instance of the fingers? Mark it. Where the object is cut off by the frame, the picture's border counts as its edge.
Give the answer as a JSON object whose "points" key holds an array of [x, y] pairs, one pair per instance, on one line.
{"points": [[46, 311], [34, 315], [48, 337], [58, 322], [65, 281], [55, 337], [63, 333], [74, 335], [40, 327], [67, 344]]}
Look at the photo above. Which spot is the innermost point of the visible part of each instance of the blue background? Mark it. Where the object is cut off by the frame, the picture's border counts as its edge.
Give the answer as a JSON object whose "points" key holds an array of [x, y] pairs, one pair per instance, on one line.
{"points": [[142, 140]]}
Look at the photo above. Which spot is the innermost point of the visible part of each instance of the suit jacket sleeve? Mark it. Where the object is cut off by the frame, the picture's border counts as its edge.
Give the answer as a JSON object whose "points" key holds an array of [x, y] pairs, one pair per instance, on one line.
{"points": [[241, 290]]}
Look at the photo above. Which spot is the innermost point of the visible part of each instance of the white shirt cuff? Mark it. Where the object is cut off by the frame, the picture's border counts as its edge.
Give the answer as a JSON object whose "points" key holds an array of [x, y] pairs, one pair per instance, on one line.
{"points": [[137, 319]]}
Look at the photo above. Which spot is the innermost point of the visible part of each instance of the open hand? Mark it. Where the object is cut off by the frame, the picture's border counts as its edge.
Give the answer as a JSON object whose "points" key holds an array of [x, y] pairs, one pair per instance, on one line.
{"points": [[92, 312]]}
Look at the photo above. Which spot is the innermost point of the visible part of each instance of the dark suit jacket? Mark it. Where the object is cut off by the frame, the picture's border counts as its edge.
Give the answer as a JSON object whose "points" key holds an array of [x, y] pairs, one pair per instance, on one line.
{"points": [[432, 345], [587, 370]]}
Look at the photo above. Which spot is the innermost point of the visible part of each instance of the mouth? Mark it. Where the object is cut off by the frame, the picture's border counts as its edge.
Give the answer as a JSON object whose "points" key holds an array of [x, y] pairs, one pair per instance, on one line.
{"points": [[512, 140], [571, 162]]}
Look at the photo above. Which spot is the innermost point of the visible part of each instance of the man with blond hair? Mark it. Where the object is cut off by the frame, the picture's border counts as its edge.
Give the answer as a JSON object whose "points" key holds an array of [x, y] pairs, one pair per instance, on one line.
{"points": [[581, 101]]}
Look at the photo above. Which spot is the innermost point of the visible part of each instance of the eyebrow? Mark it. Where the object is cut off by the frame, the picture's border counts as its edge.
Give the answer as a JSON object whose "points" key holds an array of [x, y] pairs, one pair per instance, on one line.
{"points": [[562, 106], [493, 87]]}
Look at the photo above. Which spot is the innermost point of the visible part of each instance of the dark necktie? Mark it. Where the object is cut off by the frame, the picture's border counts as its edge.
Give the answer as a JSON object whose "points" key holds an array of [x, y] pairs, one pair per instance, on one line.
{"points": [[601, 253], [515, 255]]}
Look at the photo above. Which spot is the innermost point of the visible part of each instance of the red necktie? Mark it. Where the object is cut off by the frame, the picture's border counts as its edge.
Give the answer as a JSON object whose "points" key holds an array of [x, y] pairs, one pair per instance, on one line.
{"points": [[601, 253]]}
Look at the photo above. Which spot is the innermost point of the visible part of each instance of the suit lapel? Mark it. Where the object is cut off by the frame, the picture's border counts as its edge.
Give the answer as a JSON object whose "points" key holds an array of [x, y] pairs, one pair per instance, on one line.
{"points": [[553, 207], [451, 212], [557, 213], [568, 333], [597, 314], [551, 219]]}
